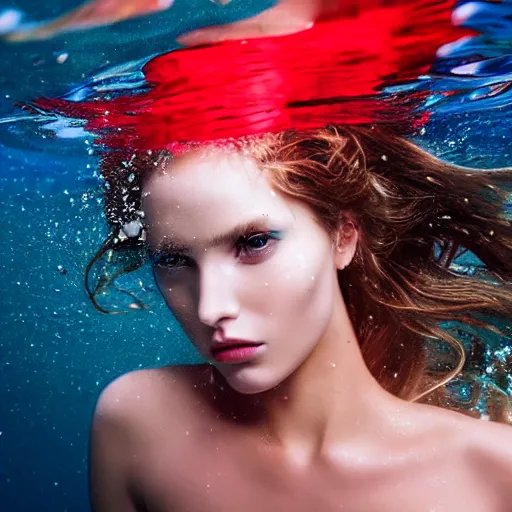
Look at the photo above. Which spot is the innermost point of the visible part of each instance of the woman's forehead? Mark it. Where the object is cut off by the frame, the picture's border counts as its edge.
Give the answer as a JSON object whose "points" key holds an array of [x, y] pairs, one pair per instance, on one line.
{"points": [[215, 175], [200, 195]]}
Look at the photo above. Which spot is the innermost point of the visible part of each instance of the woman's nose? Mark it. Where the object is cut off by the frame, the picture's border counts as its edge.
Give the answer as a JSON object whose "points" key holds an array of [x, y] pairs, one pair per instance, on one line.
{"points": [[217, 297]]}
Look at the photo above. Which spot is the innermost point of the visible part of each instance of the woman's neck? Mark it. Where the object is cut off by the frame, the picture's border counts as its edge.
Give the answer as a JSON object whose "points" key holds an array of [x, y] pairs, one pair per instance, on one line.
{"points": [[331, 399]]}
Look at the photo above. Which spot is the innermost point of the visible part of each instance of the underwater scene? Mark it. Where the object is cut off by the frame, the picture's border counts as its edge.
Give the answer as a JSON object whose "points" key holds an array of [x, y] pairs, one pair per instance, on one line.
{"points": [[57, 351]]}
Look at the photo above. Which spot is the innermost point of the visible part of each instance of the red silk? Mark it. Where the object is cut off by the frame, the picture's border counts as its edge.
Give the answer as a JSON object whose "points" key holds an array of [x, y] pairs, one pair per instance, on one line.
{"points": [[330, 73]]}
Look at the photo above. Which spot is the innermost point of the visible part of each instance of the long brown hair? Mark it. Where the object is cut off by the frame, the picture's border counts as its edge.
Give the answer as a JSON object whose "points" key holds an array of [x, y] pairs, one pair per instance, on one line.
{"points": [[415, 213]]}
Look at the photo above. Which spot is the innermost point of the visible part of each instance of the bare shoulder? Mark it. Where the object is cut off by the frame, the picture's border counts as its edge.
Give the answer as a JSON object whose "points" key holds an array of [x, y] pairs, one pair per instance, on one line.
{"points": [[134, 394], [489, 445], [486, 440], [485, 448], [489, 440], [127, 413]]}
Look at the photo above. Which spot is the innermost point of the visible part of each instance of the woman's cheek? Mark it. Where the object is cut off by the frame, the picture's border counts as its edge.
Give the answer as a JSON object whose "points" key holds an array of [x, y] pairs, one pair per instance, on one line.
{"points": [[302, 273], [177, 293]]}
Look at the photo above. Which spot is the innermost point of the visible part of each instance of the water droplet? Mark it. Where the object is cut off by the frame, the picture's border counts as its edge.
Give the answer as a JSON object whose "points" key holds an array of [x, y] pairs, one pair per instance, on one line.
{"points": [[62, 57]]}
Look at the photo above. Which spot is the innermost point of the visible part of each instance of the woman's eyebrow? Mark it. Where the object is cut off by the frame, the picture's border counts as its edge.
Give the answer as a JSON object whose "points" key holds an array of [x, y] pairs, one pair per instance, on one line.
{"points": [[170, 246]]}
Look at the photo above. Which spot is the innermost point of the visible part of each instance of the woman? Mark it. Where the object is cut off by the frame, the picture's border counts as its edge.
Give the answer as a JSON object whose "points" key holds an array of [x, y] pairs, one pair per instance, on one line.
{"points": [[303, 268], [308, 266]]}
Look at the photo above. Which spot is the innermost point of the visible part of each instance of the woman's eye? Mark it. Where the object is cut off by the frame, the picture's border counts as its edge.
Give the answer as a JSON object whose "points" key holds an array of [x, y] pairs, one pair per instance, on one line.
{"points": [[170, 261], [257, 244], [258, 241]]}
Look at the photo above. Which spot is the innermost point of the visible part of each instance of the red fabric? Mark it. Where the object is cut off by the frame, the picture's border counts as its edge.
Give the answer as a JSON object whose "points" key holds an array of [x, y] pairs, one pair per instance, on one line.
{"points": [[328, 74]]}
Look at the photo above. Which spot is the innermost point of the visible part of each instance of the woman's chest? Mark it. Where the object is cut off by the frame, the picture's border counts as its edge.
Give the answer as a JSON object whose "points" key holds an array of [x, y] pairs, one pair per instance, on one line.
{"points": [[225, 476]]}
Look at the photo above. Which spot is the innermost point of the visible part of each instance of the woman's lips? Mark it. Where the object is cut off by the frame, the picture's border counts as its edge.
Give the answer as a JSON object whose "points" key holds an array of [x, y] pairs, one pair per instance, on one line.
{"points": [[236, 353]]}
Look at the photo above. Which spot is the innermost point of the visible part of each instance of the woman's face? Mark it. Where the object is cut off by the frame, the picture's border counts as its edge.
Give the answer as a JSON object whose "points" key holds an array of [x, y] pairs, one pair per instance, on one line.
{"points": [[236, 260]]}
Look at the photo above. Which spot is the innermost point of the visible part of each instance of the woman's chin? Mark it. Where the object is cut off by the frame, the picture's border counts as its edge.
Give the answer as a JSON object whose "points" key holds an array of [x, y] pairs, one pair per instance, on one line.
{"points": [[250, 381]]}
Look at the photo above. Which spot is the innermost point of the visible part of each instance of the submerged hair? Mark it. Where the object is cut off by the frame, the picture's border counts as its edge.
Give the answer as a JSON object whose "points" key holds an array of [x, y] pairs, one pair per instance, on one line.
{"points": [[415, 214]]}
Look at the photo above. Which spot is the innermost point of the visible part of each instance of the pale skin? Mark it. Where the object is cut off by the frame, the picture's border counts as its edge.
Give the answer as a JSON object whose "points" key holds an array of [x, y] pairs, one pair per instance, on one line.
{"points": [[303, 426]]}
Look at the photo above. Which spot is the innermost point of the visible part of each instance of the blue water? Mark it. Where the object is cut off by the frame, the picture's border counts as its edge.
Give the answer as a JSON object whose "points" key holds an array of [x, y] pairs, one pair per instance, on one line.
{"points": [[56, 351]]}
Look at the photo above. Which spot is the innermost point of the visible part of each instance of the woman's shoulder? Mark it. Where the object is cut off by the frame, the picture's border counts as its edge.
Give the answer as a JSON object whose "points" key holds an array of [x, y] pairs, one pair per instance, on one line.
{"points": [[485, 448], [138, 394], [478, 450], [476, 437], [484, 440], [489, 446], [135, 417]]}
